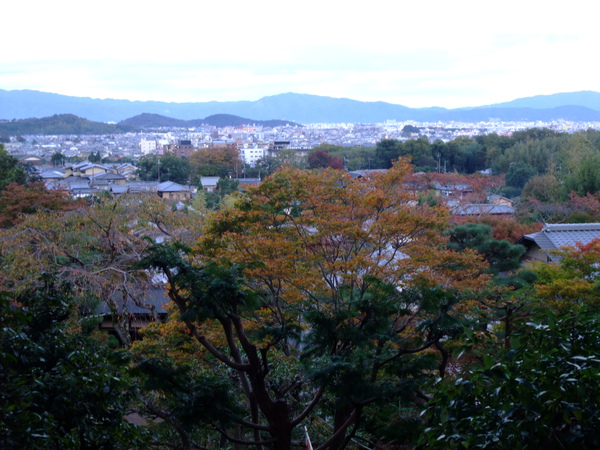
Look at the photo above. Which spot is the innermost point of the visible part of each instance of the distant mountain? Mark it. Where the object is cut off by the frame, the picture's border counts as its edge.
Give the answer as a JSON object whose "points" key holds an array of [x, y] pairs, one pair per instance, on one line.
{"points": [[300, 108], [61, 124], [218, 120], [588, 99]]}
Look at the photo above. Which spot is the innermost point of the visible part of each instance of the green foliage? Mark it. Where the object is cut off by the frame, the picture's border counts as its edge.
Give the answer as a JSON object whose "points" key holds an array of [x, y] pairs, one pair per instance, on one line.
{"points": [[61, 390], [519, 174], [95, 157], [171, 169], [387, 151], [545, 188], [500, 254], [10, 170], [61, 124], [585, 179], [543, 393], [193, 398], [58, 159], [225, 188]]}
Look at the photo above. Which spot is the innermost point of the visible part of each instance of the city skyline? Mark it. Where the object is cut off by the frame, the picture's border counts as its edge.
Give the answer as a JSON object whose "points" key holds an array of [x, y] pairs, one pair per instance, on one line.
{"points": [[450, 54]]}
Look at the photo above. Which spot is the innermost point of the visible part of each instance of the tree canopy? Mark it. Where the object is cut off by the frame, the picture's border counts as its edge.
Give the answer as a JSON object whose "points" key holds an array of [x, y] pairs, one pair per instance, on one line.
{"points": [[295, 290]]}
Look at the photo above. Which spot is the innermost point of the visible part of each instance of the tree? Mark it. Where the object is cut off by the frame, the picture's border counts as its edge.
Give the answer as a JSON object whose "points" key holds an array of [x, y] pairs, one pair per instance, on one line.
{"points": [[215, 162], [519, 174], [96, 249], [545, 188], [10, 170], [574, 283], [501, 255], [544, 393], [18, 200], [61, 388], [387, 151], [58, 159], [585, 179], [320, 159], [95, 157], [225, 188], [295, 292], [170, 167]]}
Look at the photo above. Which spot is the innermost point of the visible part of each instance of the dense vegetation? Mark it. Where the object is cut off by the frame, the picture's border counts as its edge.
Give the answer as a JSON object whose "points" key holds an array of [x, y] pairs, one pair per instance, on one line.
{"points": [[61, 124], [216, 120], [356, 307]]}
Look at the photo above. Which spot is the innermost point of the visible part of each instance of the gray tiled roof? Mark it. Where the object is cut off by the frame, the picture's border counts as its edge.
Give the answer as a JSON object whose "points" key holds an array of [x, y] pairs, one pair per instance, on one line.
{"points": [[554, 236], [476, 209]]}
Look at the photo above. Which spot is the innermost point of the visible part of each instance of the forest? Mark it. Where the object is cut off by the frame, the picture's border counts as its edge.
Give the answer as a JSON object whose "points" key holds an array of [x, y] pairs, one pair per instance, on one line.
{"points": [[357, 312]]}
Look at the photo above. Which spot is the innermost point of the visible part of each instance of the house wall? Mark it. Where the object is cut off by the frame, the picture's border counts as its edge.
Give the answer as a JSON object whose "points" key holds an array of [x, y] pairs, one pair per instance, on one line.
{"points": [[535, 253]]}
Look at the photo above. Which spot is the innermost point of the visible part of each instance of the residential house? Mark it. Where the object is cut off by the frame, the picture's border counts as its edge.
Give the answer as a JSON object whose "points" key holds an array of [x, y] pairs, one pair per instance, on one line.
{"points": [[457, 190], [169, 190], [540, 245], [209, 184], [481, 209], [366, 172], [85, 169]]}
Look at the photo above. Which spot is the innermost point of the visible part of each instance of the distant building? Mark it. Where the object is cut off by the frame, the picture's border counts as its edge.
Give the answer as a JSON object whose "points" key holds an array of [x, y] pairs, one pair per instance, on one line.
{"points": [[209, 184], [183, 149], [169, 190], [251, 155], [482, 209], [148, 146]]}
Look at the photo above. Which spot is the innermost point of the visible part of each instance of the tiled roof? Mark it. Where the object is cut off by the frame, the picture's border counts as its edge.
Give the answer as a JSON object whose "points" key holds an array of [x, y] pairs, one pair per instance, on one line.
{"points": [[476, 209], [171, 186], [554, 236]]}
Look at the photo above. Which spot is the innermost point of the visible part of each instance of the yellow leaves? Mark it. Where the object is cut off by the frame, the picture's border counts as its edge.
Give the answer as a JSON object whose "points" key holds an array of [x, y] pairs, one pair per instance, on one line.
{"points": [[306, 235]]}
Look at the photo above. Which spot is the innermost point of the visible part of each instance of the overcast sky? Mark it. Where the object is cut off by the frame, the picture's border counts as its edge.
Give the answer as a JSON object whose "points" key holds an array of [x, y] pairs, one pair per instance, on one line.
{"points": [[418, 53]]}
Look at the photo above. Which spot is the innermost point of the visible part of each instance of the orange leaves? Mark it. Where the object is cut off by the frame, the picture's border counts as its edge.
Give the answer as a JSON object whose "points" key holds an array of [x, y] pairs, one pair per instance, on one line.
{"points": [[17, 200], [309, 235]]}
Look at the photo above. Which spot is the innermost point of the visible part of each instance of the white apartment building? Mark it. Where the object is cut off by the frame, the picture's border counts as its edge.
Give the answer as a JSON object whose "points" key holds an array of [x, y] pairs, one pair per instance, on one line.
{"points": [[252, 154], [148, 146]]}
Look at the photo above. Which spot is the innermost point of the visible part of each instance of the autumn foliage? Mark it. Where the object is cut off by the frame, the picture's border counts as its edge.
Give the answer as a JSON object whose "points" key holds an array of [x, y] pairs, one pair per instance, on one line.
{"points": [[17, 200], [319, 286]]}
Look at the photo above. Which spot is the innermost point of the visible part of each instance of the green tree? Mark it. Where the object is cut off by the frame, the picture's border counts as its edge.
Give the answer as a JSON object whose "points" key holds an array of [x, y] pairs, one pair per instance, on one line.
{"points": [[585, 179], [545, 188], [58, 159], [292, 295], [519, 174], [170, 167], [387, 151], [501, 255], [542, 393], [225, 187], [10, 170], [61, 388]]}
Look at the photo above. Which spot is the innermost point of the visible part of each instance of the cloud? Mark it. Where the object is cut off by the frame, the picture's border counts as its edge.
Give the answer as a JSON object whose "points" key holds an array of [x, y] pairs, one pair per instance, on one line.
{"points": [[460, 53]]}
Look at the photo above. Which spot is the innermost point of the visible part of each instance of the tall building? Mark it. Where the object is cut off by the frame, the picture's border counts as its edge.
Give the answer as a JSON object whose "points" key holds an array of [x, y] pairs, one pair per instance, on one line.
{"points": [[148, 146]]}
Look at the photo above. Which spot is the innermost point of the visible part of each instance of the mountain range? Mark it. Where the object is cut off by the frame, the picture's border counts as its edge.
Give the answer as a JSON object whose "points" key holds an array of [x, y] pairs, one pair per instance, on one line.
{"points": [[583, 106]]}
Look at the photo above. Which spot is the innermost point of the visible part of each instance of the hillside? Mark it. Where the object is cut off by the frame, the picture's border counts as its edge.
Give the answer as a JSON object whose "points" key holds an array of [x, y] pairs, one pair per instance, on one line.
{"points": [[218, 120], [61, 124]]}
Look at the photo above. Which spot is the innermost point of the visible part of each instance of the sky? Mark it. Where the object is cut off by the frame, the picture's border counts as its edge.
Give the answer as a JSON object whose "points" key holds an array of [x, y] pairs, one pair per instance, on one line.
{"points": [[418, 54]]}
